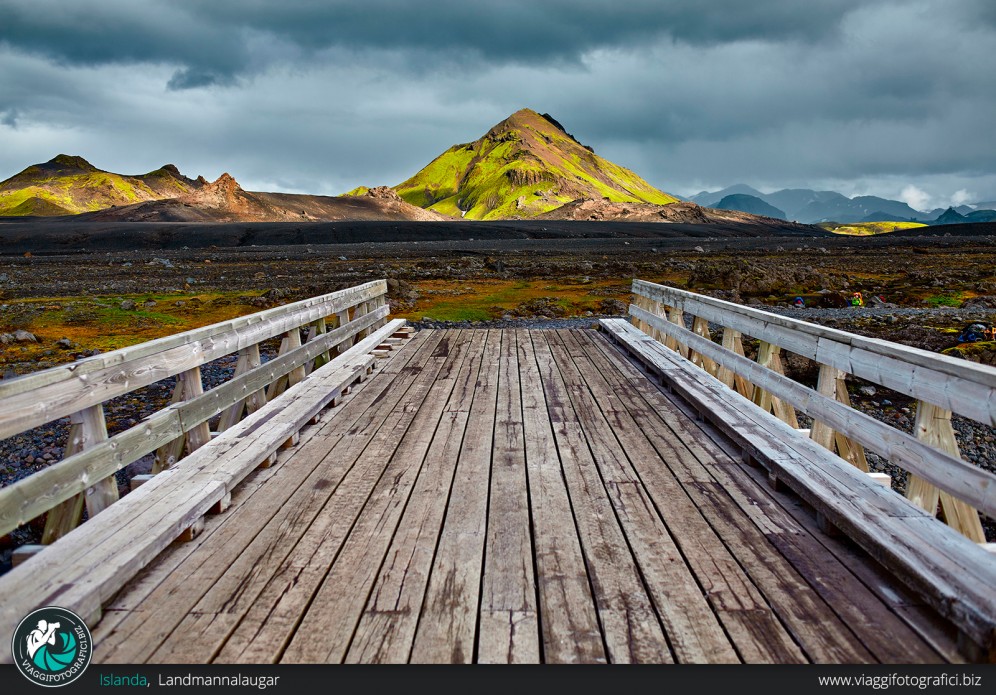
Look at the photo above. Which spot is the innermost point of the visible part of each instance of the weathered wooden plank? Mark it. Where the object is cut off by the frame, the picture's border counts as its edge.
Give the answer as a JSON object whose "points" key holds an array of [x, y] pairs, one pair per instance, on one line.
{"points": [[32, 496], [87, 429], [946, 569], [749, 584], [509, 630], [57, 577], [35, 399], [885, 634], [701, 327], [448, 624], [235, 566], [249, 359], [386, 630], [963, 480], [632, 631], [958, 385], [933, 426], [269, 605], [569, 623], [692, 627]]}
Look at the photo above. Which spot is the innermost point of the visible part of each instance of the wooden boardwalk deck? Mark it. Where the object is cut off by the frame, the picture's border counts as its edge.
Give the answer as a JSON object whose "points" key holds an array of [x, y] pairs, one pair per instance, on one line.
{"points": [[513, 496]]}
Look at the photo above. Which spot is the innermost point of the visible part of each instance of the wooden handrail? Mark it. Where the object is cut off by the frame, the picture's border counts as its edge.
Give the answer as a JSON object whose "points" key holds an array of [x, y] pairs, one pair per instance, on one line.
{"points": [[941, 384], [957, 385], [81, 387], [34, 399]]}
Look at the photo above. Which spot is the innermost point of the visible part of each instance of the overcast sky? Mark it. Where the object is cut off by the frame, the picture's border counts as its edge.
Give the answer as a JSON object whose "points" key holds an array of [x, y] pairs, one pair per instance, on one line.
{"points": [[890, 98]]}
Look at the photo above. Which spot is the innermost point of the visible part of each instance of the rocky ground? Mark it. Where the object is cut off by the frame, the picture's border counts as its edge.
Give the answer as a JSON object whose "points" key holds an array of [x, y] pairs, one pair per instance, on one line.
{"points": [[930, 287]]}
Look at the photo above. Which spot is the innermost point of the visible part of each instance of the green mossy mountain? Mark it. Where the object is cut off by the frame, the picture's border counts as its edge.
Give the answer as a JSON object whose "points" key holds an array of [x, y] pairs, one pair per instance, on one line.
{"points": [[524, 166], [68, 185]]}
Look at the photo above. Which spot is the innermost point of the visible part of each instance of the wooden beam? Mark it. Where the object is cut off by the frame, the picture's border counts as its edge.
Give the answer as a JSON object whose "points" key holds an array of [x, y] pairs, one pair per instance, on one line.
{"points": [[87, 429], [953, 574], [964, 480], [933, 426], [701, 327], [954, 384], [34, 399]]}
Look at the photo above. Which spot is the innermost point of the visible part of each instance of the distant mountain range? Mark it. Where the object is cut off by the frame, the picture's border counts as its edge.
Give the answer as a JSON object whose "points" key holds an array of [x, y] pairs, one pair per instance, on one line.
{"points": [[526, 166], [811, 207]]}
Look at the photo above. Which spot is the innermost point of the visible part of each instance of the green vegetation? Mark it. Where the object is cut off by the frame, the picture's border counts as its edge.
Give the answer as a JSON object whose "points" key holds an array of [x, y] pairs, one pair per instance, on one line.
{"points": [[71, 185], [358, 191], [480, 300], [522, 167], [954, 299], [869, 228]]}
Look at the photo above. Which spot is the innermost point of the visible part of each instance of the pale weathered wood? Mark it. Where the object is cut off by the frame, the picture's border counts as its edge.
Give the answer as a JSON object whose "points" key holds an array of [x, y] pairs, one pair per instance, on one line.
{"points": [[701, 327], [733, 342], [31, 496], [66, 516], [954, 384], [755, 593], [387, 627], [249, 547], [933, 426], [965, 481], [633, 633], [248, 360], [710, 477], [694, 630], [448, 624], [329, 559], [945, 568], [97, 559], [768, 356], [104, 492], [88, 429], [508, 622], [34, 399], [570, 629], [677, 317]]}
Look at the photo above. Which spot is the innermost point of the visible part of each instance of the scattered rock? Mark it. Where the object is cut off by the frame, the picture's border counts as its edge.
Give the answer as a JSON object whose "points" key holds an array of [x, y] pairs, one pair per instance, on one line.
{"points": [[64, 343], [127, 305], [23, 336], [868, 390]]}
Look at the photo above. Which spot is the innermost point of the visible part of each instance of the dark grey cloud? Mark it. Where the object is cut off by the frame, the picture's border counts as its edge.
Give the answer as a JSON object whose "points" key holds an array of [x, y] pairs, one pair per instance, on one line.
{"points": [[870, 96], [217, 42]]}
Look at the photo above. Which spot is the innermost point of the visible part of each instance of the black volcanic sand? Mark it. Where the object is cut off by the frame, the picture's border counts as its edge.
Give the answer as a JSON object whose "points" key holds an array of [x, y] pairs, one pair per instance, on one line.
{"points": [[66, 235]]}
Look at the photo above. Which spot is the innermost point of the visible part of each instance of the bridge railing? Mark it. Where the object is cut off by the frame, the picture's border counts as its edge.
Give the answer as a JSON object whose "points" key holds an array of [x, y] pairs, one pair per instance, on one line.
{"points": [[331, 323], [939, 479]]}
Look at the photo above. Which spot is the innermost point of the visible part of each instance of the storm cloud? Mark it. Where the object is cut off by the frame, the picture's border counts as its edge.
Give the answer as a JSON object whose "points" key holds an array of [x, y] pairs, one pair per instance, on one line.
{"points": [[862, 96]]}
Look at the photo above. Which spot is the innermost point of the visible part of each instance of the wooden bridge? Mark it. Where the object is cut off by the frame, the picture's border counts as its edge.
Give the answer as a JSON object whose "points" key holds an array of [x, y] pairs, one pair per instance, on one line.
{"points": [[641, 493]]}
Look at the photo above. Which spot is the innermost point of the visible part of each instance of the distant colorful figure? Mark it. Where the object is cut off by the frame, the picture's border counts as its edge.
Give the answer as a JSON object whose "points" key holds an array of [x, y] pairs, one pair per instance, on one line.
{"points": [[799, 303], [857, 299], [976, 332]]}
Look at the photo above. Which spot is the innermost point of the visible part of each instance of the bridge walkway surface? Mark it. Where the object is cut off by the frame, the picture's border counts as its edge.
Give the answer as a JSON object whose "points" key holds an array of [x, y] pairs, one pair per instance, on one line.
{"points": [[515, 496]]}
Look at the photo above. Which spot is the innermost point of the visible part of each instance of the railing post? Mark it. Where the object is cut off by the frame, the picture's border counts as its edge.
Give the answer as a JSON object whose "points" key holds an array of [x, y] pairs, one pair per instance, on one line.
{"points": [[87, 427], [732, 341], [933, 427], [188, 385], [832, 385], [768, 356], [701, 327], [249, 359], [676, 316]]}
